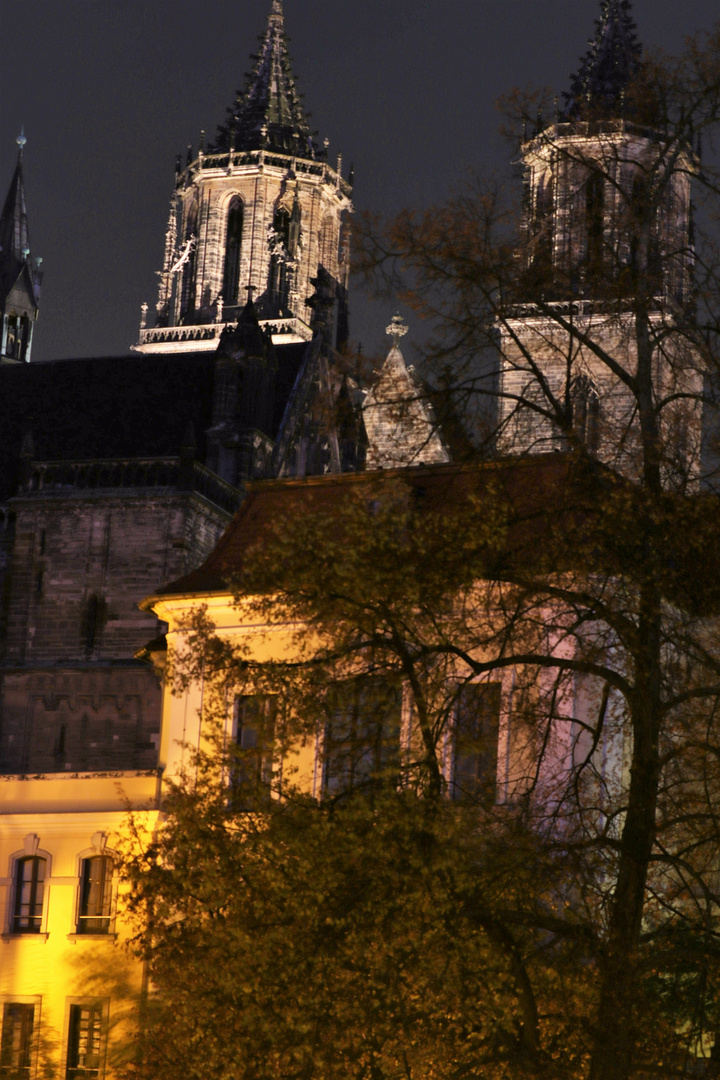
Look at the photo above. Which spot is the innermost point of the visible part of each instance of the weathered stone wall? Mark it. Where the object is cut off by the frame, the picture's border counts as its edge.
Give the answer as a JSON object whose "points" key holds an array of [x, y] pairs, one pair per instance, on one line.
{"points": [[72, 695]]}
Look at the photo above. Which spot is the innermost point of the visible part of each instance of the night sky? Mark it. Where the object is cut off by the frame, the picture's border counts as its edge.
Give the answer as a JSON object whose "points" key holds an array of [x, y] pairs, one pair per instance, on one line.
{"points": [[109, 91]]}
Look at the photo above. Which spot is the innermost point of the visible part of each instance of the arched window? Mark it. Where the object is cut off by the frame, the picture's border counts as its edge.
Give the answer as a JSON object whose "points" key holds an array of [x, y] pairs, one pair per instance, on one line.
{"points": [[543, 227], [188, 273], [586, 413], [595, 221], [95, 906], [233, 247], [277, 284], [29, 894], [326, 254]]}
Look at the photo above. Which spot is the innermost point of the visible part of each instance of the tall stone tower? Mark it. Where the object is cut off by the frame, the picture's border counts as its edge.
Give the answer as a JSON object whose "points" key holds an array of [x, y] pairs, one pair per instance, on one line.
{"points": [[608, 231], [259, 208], [20, 276]]}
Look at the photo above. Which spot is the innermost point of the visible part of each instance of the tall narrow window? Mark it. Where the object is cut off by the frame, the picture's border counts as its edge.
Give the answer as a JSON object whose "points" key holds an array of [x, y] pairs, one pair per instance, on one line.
{"points": [[95, 895], [277, 284], [84, 1041], [29, 892], [362, 734], [476, 724], [233, 247], [586, 413], [595, 222], [252, 765], [16, 1045]]}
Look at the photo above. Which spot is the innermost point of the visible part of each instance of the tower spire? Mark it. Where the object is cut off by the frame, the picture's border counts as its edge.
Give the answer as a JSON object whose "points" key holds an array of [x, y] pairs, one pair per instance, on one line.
{"points": [[610, 64], [268, 113], [14, 236], [19, 276]]}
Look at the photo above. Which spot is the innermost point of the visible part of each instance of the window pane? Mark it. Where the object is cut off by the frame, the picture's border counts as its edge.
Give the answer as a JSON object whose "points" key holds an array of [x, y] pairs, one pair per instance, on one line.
{"points": [[95, 895], [477, 717], [29, 889], [16, 1045], [255, 721], [84, 1039], [362, 735]]}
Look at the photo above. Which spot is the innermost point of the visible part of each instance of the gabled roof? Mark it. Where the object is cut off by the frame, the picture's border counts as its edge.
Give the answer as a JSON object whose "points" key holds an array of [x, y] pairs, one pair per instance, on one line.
{"points": [[401, 429], [609, 65], [268, 113]]}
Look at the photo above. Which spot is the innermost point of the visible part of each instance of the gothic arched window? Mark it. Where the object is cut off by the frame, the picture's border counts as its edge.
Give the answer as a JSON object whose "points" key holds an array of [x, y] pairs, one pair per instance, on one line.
{"points": [[586, 413], [277, 283], [595, 221], [188, 278], [233, 246]]}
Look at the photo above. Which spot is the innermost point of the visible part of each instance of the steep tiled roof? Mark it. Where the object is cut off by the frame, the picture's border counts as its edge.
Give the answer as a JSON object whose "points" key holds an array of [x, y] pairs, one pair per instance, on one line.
{"points": [[610, 63], [530, 490], [268, 113]]}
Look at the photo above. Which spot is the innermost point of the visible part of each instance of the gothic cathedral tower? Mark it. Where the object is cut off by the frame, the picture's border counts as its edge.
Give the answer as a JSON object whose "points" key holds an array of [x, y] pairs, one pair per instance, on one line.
{"points": [[259, 209], [608, 234]]}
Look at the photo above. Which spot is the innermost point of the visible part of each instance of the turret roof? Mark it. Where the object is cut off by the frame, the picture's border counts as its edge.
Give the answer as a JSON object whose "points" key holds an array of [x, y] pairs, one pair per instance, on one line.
{"points": [[268, 113], [14, 239], [612, 60]]}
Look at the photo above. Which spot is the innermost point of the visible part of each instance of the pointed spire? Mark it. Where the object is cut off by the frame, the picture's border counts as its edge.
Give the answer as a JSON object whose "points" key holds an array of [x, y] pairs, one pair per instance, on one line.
{"points": [[609, 65], [14, 237], [269, 114]]}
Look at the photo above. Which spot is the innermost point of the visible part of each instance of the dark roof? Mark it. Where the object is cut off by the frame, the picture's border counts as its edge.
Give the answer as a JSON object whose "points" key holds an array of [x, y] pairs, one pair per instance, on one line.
{"points": [[530, 486], [105, 407], [268, 113], [609, 65], [14, 236], [534, 515]]}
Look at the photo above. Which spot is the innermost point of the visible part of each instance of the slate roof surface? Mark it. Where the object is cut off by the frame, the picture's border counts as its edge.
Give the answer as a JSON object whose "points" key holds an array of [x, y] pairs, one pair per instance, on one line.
{"points": [[105, 407], [531, 487]]}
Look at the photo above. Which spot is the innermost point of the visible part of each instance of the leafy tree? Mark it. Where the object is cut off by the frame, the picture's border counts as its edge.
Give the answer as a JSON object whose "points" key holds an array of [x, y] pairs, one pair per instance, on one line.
{"points": [[411, 920]]}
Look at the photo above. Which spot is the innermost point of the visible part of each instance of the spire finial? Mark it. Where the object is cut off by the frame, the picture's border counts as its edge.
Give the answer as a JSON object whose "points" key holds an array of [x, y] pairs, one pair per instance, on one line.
{"points": [[277, 8], [21, 139], [396, 329]]}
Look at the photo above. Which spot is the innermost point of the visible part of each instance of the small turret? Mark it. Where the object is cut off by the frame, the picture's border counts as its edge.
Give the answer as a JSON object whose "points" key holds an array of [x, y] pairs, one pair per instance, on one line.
{"points": [[20, 277]]}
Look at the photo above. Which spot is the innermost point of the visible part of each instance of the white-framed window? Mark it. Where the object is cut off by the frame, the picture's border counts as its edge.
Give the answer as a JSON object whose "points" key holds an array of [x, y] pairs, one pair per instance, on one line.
{"points": [[20, 1020], [85, 1038], [361, 740], [95, 897], [29, 876], [255, 720]]}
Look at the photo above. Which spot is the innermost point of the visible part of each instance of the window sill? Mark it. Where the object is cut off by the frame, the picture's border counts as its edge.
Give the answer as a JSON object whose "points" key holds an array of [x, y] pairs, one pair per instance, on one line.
{"points": [[92, 937], [24, 935]]}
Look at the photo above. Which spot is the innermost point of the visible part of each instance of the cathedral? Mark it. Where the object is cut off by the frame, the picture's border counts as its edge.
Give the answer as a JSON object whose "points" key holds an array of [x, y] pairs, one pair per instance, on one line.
{"points": [[118, 477]]}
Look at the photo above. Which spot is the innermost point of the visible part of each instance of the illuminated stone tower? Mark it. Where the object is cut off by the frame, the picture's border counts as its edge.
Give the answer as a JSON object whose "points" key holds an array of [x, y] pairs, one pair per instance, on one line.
{"points": [[258, 208], [608, 231], [19, 274]]}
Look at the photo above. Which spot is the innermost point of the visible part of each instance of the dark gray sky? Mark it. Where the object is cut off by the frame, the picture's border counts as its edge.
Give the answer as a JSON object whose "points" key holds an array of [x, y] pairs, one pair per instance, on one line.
{"points": [[109, 91]]}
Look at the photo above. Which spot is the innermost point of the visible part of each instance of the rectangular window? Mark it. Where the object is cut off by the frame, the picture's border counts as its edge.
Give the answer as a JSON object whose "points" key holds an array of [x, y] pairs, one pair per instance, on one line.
{"points": [[29, 892], [16, 1045], [95, 895], [252, 766], [362, 734], [475, 742], [84, 1041]]}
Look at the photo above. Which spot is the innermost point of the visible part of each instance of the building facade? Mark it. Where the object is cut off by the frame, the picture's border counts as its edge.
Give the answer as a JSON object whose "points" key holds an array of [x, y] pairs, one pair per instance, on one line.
{"points": [[241, 402]]}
